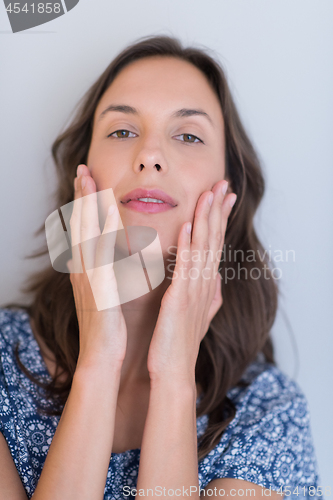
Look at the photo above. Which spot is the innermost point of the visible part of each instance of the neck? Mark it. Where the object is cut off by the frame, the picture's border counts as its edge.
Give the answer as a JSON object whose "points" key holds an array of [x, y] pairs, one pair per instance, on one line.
{"points": [[140, 316]]}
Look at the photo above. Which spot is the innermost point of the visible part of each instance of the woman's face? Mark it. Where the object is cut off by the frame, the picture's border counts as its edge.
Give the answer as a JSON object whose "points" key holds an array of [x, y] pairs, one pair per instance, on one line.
{"points": [[154, 145]]}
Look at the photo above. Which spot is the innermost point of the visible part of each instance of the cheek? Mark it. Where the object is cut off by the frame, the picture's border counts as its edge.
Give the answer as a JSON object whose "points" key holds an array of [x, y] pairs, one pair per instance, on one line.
{"points": [[100, 167], [212, 168], [104, 179], [218, 169], [202, 175]]}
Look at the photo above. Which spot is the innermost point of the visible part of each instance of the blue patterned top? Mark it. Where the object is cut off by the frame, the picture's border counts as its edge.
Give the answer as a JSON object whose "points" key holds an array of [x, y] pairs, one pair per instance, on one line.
{"points": [[268, 443]]}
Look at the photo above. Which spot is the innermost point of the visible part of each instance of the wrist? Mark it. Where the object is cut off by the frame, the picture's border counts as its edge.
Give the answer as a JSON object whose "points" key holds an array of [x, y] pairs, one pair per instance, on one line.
{"points": [[181, 386], [90, 366]]}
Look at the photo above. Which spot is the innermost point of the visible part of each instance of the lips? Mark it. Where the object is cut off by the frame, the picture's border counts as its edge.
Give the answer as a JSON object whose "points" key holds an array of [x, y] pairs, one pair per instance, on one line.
{"points": [[158, 194]]}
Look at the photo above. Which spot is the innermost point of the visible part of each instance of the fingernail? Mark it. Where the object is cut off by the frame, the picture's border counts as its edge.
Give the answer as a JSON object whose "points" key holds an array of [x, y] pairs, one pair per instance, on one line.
{"points": [[83, 181], [210, 199], [79, 170], [225, 187], [233, 200], [188, 227]]}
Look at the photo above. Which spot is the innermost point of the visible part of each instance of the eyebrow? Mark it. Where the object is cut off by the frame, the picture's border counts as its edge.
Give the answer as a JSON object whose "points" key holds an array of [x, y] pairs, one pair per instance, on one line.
{"points": [[184, 112]]}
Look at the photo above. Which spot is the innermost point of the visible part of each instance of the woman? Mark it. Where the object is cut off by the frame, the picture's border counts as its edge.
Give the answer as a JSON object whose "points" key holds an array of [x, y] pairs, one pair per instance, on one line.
{"points": [[178, 387]]}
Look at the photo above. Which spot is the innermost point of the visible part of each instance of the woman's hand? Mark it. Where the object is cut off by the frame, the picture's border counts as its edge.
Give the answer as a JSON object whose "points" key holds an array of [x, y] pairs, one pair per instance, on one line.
{"points": [[194, 296], [103, 333]]}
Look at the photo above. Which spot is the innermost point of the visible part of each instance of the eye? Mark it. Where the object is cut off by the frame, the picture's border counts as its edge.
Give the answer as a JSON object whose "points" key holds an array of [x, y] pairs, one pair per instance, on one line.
{"points": [[121, 134], [192, 139]]}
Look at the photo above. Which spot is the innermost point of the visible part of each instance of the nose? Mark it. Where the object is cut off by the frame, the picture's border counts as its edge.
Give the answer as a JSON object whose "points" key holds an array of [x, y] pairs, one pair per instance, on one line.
{"points": [[157, 166], [150, 156]]}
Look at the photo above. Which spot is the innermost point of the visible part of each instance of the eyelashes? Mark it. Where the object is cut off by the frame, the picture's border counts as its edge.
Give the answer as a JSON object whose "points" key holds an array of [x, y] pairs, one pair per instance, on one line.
{"points": [[121, 130], [195, 141], [190, 135]]}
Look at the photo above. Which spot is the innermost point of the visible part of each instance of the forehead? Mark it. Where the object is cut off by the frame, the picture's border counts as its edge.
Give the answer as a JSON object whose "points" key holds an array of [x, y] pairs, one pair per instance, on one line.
{"points": [[163, 83]]}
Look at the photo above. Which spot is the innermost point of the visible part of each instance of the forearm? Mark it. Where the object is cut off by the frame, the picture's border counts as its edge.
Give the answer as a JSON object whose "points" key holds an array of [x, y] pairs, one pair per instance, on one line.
{"points": [[169, 447], [77, 462]]}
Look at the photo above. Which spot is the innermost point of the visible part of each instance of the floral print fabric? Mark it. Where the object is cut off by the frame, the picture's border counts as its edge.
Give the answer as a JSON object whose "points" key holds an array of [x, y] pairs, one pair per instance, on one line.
{"points": [[268, 443]]}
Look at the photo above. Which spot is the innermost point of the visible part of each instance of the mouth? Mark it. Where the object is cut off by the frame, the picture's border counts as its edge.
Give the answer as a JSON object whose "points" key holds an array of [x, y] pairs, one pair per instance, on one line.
{"points": [[152, 200]]}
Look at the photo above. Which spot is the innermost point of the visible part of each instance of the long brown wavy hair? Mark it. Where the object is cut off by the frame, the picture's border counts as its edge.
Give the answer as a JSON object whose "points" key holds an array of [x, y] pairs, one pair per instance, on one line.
{"points": [[241, 328]]}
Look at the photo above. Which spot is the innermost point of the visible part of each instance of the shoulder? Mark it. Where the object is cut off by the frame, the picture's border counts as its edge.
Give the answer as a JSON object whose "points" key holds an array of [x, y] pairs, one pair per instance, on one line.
{"points": [[12, 336], [16, 334], [27, 432], [16, 389], [12, 326], [270, 393], [269, 441]]}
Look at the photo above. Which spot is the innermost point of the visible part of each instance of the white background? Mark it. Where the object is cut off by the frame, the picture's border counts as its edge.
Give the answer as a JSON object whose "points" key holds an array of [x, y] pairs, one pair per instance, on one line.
{"points": [[278, 58]]}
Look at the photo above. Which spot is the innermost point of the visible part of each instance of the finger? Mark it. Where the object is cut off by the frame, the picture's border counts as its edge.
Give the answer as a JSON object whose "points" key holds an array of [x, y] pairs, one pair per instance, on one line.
{"points": [[215, 224], [200, 243], [104, 283], [217, 299], [82, 169], [90, 229], [216, 303], [75, 223], [69, 265], [106, 243], [227, 205], [180, 281]]}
